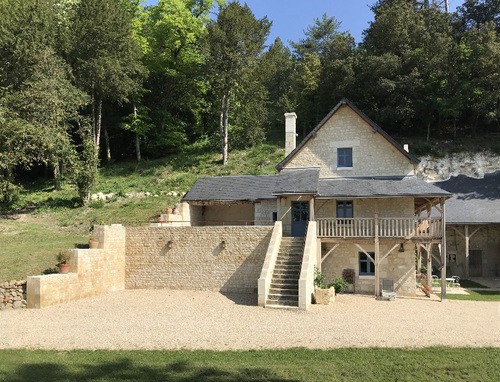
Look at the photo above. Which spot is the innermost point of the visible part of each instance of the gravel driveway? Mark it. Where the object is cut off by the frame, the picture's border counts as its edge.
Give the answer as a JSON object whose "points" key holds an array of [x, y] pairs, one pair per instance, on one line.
{"points": [[166, 319]]}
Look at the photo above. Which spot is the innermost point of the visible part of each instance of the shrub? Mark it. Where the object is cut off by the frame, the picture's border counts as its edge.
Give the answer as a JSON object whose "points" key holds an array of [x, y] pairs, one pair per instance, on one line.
{"points": [[339, 284], [319, 278]]}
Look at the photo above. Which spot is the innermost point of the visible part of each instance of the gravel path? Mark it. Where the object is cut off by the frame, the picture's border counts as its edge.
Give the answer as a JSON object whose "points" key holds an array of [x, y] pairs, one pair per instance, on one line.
{"points": [[165, 319]]}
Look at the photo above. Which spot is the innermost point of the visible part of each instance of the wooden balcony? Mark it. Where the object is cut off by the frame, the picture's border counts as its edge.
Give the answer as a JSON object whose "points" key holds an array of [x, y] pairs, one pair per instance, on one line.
{"points": [[401, 228]]}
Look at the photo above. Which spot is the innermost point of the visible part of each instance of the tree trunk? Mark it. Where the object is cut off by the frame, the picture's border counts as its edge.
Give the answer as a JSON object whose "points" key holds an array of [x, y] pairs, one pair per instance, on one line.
{"points": [[137, 140], [137, 147], [57, 176], [225, 153], [223, 122], [106, 142], [428, 131], [98, 123]]}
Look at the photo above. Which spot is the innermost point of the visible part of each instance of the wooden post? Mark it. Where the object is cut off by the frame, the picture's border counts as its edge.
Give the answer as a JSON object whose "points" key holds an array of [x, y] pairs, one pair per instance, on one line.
{"points": [[419, 259], [377, 257], [443, 253], [428, 248], [466, 251]]}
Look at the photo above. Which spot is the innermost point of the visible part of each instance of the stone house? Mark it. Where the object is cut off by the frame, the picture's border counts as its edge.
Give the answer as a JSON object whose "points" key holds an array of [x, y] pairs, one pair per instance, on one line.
{"points": [[345, 201], [473, 225]]}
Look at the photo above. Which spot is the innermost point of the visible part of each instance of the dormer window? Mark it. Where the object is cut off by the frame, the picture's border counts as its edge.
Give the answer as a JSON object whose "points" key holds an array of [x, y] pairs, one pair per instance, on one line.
{"points": [[344, 158]]}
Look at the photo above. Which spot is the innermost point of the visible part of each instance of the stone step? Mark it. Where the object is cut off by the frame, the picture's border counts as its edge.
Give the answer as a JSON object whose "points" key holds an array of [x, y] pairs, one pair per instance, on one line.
{"points": [[278, 297], [283, 306], [289, 262], [294, 266], [284, 291]]}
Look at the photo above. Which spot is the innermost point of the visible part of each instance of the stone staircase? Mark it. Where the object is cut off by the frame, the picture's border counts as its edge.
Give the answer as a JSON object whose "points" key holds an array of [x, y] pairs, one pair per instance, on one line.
{"points": [[284, 290]]}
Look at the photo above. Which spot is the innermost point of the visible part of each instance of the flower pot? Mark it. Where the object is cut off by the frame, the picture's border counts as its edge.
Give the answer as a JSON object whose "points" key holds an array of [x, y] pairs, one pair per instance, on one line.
{"points": [[169, 210], [63, 268], [324, 296], [93, 243]]}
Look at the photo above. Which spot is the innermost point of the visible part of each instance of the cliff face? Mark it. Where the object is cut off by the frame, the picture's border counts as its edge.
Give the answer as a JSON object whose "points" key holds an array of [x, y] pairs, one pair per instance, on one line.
{"points": [[471, 164]]}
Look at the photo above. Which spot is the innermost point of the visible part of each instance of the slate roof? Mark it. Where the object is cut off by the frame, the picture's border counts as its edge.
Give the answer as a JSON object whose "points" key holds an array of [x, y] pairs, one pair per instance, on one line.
{"points": [[373, 125], [297, 181], [476, 201], [377, 187], [306, 181], [233, 188]]}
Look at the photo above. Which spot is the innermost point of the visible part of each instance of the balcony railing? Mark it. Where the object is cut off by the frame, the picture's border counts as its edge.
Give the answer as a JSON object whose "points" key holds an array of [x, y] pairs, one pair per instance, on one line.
{"points": [[407, 228]]}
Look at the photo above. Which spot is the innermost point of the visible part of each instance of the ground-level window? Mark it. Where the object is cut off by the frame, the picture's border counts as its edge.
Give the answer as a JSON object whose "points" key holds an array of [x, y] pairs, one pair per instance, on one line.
{"points": [[344, 157], [366, 266], [344, 209]]}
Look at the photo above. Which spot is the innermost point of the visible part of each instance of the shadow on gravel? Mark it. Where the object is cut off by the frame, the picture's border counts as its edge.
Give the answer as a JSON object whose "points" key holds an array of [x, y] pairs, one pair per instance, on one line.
{"points": [[246, 299], [127, 370]]}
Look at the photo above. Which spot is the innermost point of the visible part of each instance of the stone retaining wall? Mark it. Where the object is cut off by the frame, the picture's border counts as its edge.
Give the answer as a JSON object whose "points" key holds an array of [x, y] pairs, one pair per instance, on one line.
{"points": [[221, 258], [13, 294]]}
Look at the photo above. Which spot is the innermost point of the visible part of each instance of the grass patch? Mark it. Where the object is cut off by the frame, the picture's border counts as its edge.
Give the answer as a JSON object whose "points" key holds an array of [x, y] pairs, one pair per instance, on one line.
{"points": [[373, 364], [57, 222], [464, 283], [479, 295]]}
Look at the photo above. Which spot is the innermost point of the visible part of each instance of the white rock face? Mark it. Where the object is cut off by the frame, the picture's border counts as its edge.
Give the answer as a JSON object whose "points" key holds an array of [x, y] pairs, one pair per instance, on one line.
{"points": [[471, 164]]}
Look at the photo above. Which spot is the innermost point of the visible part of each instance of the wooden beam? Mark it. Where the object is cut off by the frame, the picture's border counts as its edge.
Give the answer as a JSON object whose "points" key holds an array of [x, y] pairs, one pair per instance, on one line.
{"points": [[366, 253], [458, 231], [466, 237], [387, 254], [330, 251], [443, 252]]}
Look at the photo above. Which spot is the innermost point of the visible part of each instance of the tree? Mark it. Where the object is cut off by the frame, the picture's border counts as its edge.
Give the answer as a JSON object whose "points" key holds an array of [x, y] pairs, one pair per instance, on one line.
{"points": [[235, 42], [105, 56], [176, 86], [325, 58]]}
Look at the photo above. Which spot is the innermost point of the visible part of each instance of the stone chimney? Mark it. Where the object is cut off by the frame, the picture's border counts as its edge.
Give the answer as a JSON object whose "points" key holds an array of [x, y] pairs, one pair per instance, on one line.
{"points": [[290, 132]]}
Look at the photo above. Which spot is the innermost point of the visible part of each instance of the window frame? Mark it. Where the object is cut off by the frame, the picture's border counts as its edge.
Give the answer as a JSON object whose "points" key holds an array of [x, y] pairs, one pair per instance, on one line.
{"points": [[369, 264], [344, 158]]}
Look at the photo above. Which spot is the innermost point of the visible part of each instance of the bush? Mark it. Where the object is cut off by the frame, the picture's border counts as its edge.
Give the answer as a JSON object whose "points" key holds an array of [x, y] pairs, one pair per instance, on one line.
{"points": [[339, 284], [319, 279]]}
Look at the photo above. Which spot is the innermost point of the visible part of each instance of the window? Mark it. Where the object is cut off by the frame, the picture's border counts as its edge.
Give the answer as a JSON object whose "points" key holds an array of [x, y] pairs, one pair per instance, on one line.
{"points": [[344, 157], [366, 266], [344, 209]]}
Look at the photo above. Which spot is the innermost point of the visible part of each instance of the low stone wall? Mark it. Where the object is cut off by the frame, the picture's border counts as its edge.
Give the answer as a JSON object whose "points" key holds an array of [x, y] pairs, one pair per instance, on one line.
{"points": [[13, 294], [221, 258], [92, 271]]}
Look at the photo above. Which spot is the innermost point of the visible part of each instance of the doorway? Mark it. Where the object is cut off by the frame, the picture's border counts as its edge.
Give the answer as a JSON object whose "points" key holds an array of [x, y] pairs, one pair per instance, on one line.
{"points": [[300, 217]]}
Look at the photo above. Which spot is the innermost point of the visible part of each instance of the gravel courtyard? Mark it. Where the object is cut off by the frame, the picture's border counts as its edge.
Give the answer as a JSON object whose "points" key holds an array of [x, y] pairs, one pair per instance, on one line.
{"points": [[166, 319]]}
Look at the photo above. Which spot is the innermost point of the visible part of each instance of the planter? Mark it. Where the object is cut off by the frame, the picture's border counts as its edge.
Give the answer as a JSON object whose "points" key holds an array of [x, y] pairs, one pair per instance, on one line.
{"points": [[324, 296], [63, 268], [168, 210], [93, 243]]}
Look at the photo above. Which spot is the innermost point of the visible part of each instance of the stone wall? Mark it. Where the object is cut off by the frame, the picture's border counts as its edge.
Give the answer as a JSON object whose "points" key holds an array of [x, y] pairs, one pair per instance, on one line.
{"points": [[92, 272], [264, 210], [397, 266], [227, 259], [486, 240], [13, 294], [372, 153]]}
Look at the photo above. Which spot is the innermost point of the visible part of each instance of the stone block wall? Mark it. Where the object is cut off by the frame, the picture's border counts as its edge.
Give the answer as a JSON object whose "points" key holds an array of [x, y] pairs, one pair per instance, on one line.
{"points": [[397, 266], [372, 153], [264, 210], [92, 271], [13, 294], [227, 259]]}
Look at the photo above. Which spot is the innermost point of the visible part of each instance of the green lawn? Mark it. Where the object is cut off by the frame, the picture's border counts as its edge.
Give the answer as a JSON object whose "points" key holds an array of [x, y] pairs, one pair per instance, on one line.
{"points": [[375, 364], [54, 221], [464, 283], [479, 295]]}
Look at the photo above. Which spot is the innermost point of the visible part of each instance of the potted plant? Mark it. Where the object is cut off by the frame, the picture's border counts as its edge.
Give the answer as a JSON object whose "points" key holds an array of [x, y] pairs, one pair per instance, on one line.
{"points": [[323, 293], [63, 262], [93, 243]]}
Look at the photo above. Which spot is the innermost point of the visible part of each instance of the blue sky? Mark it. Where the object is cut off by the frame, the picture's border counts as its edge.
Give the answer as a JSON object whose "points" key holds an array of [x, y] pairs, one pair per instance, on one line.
{"points": [[291, 17]]}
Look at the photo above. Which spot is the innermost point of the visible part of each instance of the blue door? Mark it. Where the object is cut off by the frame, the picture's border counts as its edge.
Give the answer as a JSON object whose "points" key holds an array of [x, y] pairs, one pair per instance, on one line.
{"points": [[300, 217]]}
